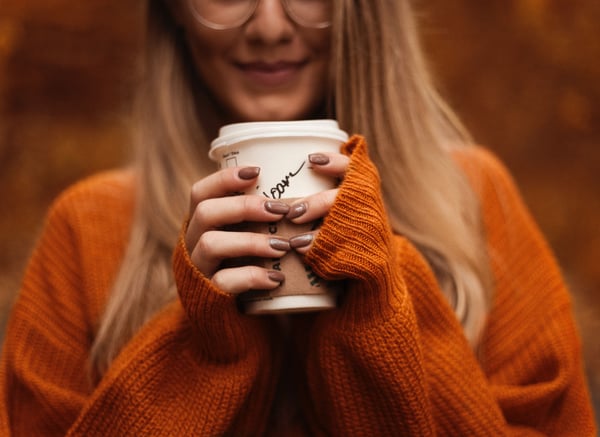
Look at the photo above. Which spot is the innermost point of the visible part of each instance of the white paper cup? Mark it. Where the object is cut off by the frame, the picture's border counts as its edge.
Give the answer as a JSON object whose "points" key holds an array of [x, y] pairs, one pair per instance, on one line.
{"points": [[281, 151]]}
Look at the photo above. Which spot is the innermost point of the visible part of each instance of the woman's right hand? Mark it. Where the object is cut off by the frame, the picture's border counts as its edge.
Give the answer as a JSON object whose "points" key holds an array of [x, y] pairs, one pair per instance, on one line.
{"points": [[213, 207]]}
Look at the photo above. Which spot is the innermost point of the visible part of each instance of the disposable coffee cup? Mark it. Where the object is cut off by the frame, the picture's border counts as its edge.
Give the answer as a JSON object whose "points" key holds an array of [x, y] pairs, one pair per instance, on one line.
{"points": [[281, 151]]}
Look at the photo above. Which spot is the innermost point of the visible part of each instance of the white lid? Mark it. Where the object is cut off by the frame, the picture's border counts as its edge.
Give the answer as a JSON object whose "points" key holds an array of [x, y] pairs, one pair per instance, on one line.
{"points": [[238, 132]]}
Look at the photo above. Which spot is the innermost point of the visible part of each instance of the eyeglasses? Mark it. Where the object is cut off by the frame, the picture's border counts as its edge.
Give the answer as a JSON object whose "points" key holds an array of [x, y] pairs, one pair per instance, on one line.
{"points": [[228, 14]]}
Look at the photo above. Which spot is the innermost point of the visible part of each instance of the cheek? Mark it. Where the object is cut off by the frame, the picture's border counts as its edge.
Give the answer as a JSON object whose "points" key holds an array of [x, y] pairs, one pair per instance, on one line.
{"points": [[207, 51], [203, 63], [322, 75], [320, 46]]}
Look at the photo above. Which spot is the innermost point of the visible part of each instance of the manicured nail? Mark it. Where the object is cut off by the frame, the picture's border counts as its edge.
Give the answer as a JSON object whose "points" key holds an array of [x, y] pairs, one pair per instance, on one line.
{"points": [[301, 240], [276, 207], [276, 276], [248, 173], [296, 211], [318, 158], [279, 244]]}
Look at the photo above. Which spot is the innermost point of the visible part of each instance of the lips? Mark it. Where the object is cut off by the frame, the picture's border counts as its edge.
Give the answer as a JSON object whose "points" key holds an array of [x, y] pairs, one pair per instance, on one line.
{"points": [[270, 74]]}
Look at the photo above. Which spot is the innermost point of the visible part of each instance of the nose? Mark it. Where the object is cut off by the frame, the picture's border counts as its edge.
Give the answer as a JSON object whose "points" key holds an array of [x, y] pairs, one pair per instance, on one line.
{"points": [[270, 23]]}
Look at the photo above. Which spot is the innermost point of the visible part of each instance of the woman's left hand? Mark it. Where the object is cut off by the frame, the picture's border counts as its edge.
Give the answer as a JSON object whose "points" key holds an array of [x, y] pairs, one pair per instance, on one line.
{"points": [[316, 206]]}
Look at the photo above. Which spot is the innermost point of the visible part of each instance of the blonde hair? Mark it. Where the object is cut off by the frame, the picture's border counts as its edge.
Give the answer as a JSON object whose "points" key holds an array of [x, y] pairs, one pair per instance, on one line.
{"points": [[381, 89]]}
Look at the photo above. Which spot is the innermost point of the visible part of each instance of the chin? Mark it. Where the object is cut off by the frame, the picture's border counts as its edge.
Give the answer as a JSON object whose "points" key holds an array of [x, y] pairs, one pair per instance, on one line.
{"points": [[267, 115], [281, 110]]}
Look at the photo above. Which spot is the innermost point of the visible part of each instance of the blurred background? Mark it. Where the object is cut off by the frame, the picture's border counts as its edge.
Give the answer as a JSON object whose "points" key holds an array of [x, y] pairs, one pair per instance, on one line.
{"points": [[524, 75]]}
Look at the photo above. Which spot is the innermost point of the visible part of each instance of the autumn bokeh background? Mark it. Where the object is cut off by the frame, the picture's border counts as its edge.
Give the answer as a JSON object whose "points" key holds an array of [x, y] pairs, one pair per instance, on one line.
{"points": [[523, 74]]}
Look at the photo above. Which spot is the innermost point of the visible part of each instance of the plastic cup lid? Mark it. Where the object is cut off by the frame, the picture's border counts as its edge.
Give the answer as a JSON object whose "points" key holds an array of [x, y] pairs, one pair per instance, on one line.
{"points": [[240, 132]]}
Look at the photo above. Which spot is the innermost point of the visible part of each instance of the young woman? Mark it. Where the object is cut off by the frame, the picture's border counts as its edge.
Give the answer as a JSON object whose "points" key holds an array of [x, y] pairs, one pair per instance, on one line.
{"points": [[454, 319]]}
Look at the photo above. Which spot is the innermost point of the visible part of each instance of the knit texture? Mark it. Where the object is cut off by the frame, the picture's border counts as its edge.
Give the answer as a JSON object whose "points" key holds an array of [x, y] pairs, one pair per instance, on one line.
{"points": [[391, 360]]}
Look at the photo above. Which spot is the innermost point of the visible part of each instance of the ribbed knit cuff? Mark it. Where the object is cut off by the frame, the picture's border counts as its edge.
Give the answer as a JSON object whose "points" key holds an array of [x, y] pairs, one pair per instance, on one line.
{"points": [[224, 333], [356, 243]]}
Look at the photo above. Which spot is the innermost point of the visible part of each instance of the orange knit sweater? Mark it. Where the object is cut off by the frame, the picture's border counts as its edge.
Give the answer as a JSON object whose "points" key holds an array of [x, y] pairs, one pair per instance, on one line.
{"points": [[391, 360]]}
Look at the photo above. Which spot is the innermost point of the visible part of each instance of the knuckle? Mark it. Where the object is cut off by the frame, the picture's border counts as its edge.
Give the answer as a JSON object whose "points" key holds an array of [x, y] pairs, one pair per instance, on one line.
{"points": [[196, 193], [255, 277], [248, 202], [204, 244], [321, 201], [201, 212], [331, 195], [226, 177], [218, 280], [343, 160], [246, 244]]}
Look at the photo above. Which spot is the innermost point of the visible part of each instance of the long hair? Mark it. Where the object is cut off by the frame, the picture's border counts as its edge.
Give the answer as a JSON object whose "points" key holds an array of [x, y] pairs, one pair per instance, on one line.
{"points": [[380, 88]]}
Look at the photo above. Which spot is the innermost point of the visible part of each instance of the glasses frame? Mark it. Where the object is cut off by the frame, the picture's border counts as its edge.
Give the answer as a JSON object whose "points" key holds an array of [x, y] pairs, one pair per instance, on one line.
{"points": [[249, 15]]}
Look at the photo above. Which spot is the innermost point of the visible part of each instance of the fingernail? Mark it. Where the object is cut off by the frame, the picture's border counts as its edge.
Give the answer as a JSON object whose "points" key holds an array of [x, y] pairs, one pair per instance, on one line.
{"points": [[301, 240], [276, 276], [296, 211], [277, 207], [279, 244], [248, 173], [318, 158]]}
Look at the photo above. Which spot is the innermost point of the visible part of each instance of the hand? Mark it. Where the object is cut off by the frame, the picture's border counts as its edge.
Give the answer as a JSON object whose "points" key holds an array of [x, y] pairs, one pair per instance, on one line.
{"points": [[316, 206], [212, 208]]}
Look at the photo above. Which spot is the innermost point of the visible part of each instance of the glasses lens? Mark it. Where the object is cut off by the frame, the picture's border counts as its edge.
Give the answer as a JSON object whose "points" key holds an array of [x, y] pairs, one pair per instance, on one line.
{"points": [[223, 14], [312, 13]]}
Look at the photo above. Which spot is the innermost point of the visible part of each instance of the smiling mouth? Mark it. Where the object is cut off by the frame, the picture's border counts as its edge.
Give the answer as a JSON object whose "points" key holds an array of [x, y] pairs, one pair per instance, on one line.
{"points": [[270, 74]]}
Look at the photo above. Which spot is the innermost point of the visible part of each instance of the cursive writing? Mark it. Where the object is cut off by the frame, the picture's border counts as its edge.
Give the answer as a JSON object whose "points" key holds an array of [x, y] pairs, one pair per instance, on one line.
{"points": [[278, 190]]}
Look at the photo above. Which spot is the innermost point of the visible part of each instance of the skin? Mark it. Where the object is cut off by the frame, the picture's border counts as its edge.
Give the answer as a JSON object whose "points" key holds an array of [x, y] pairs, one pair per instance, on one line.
{"points": [[281, 89], [211, 207], [268, 69]]}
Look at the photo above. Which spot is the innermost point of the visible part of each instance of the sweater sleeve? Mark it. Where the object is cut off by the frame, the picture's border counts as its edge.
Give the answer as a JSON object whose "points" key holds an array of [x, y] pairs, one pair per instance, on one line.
{"points": [[393, 359], [198, 367]]}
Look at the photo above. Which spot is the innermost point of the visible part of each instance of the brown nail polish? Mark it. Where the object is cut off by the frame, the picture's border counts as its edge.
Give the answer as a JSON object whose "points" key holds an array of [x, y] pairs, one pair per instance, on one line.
{"points": [[277, 207], [248, 173], [301, 240], [279, 244], [318, 158], [296, 211], [276, 276]]}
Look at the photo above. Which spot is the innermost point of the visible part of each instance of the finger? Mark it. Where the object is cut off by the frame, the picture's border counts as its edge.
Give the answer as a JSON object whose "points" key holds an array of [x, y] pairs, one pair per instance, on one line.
{"points": [[303, 242], [222, 183], [239, 279], [312, 207], [215, 246], [329, 164], [215, 213]]}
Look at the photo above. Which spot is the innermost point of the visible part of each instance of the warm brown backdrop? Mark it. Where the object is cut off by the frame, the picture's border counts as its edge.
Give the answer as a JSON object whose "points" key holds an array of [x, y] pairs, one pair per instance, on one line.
{"points": [[523, 74]]}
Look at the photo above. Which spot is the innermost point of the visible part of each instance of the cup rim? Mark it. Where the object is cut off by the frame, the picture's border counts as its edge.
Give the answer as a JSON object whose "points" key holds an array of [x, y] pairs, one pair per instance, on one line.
{"points": [[236, 133]]}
